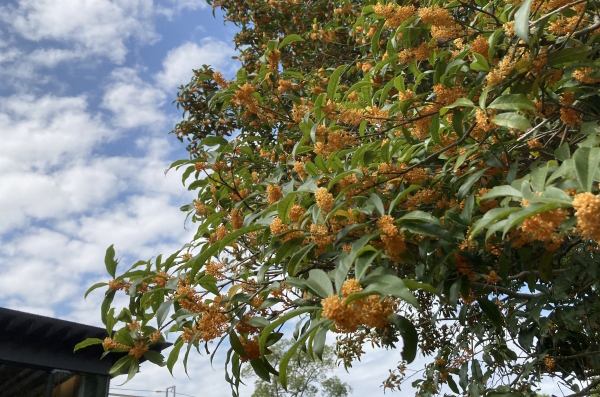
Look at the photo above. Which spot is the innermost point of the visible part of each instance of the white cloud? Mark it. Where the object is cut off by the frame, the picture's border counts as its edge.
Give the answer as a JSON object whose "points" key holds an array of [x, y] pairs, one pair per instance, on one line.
{"points": [[100, 27], [133, 102], [38, 133], [179, 62], [57, 191], [50, 57]]}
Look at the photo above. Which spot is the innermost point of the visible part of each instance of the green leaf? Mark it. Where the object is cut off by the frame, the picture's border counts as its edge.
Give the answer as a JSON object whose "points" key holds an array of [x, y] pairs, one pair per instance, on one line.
{"points": [[403, 194], [163, 312], [319, 282], [155, 357], [563, 152], [465, 187], [492, 311], [110, 320], [586, 166], [110, 262], [260, 369], [492, 216], [121, 363], [134, 367], [290, 353], [512, 120], [480, 64], [264, 335], [174, 354], [375, 200], [188, 171], [415, 285], [362, 263], [87, 342], [375, 39], [399, 83], [237, 346], [202, 258], [522, 21], [512, 102], [311, 169], [527, 212], [452, 384], [589, 128], [409, 334], [420, 216], [500, 191], [284, 206], [214, 141], [93, 287], [334, 81], [259, 322], [385, 285], [460, 102], [290, 39], [319, 342], [297, 258], [341, 176], [567, 55]]}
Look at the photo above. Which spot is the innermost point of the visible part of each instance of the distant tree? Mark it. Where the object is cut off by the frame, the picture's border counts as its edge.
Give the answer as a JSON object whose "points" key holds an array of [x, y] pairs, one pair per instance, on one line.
{"points": [[307, 377]]}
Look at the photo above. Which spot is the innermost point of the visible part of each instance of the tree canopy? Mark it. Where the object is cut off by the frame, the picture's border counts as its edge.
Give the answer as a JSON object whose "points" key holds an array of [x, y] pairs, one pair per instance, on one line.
{"points": [[307, 376], [410, 174]]}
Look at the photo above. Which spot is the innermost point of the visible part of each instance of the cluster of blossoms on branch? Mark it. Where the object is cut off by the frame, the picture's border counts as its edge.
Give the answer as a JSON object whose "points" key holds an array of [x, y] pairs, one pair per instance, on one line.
{"points": [[396, 172]]}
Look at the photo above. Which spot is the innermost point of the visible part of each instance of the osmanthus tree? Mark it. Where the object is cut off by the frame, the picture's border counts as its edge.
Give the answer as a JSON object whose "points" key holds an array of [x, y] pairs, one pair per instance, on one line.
{"points": [[422, 172]]}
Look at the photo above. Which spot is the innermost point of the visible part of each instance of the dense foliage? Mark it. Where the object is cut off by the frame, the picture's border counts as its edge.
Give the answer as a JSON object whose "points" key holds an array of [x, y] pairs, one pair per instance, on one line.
{"points": [[415, 174], [307, 377]]}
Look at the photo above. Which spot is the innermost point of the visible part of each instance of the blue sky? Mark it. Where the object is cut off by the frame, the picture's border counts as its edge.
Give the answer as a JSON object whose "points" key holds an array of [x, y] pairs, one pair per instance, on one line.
{"points": [[86, 88]]}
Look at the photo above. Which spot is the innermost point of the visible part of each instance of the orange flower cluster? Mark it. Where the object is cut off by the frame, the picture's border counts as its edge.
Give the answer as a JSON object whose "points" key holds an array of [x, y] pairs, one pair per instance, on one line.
{"points": [[436, 16], [394, 14], [569, 116], [423, 196], [243, 98], [274, 193], [296, 212], [448, 95], [278, 227], [117, 285], [110, 343], [299, 168], [587, 211], [211, 325], [237, 220], [320, 235], [216, 270], [325, 199], [421, 126], [369, 311], [336, 141], [497, 75], [542, 227], [138, 350], [583, 76], [252, 349], [480, 46], [161, 279], [220, 81], [393, 240]]}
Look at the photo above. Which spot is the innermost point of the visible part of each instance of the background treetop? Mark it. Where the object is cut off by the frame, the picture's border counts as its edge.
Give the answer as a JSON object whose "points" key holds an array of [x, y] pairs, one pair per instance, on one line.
{"points": [[416, 171]]}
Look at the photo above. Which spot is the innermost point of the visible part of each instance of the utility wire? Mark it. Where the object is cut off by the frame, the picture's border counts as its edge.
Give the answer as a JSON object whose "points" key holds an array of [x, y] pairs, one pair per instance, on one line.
{"points": [[151, 391]]}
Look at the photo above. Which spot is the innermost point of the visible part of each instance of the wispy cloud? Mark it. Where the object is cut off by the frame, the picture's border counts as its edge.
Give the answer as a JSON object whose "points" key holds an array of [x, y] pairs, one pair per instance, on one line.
{"points": [[179, 62]]}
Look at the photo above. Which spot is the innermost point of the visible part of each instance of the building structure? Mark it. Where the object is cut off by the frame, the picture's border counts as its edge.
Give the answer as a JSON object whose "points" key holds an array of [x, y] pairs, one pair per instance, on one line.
{"points": [[37, 358]]}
